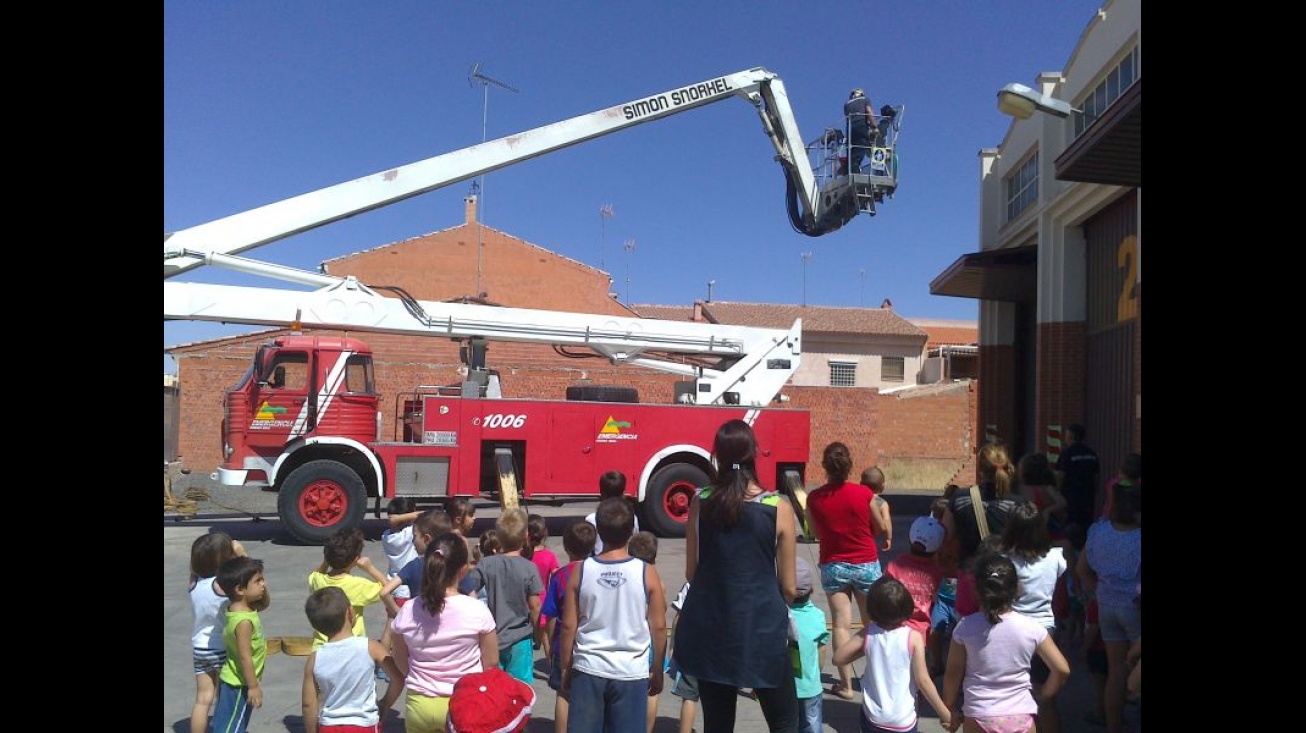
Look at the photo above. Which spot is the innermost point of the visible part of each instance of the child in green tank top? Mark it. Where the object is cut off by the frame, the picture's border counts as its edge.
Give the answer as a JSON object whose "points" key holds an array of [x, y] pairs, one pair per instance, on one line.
{"points": [[239, 694]]}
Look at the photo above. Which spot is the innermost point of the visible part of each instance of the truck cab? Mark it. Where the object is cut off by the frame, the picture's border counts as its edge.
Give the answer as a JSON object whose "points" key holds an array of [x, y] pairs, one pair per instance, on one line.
{"points": [[284, 397]]}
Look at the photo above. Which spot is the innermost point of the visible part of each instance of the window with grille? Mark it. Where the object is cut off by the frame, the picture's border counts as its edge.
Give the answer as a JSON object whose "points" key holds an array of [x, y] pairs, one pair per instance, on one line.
{"points": [[893, 368], [843, 374], [1022, 187]]}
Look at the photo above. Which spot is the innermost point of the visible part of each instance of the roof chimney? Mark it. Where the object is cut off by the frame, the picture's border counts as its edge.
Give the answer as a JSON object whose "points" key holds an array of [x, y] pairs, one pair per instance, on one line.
{"points": [[469, 205], [887, 304], [698, 312], [1048, 81]]}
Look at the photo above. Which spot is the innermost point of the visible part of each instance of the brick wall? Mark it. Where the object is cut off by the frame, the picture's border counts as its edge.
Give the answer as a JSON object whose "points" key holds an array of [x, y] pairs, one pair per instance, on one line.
{"points": [[848, 415], [931, 423], [513, 272], [997, 384], [1062, 356]]}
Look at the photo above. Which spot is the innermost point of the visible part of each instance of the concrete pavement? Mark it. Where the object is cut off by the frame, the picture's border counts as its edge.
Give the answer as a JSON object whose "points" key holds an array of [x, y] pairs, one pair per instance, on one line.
{"points": [[250, 517]]}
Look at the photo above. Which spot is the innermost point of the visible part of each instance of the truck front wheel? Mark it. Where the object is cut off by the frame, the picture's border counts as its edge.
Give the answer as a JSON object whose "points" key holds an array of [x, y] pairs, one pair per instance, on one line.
{"points": [[319, 498], [666, 505]]}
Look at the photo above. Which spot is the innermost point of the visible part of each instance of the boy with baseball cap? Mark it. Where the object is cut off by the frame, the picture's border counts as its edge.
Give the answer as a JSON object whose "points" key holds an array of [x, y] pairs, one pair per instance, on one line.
{"points": [[919, 572]]}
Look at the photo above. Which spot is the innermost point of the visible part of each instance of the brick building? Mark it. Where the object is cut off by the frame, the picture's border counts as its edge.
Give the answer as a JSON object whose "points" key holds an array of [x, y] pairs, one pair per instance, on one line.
{"points": [[932, 428]]}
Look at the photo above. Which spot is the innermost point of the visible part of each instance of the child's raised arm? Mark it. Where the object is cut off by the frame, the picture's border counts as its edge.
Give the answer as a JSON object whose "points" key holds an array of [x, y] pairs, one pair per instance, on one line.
{"points": [[387, 597], [399, 521]]}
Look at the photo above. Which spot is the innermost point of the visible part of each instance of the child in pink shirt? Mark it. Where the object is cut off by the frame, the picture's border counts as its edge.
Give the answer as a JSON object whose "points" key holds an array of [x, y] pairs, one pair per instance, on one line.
{"points": [[920, 572], [441, 635], [991, 654], [537, 532]]}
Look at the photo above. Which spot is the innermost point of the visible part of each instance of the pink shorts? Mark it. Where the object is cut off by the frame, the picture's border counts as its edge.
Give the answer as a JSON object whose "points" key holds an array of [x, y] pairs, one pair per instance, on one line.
{"points": [[1005, 723]]}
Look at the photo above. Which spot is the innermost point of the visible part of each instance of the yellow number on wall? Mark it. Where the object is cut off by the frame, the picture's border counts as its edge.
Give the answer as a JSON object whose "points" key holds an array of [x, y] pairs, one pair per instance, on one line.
{"points": [[1127, 259]]}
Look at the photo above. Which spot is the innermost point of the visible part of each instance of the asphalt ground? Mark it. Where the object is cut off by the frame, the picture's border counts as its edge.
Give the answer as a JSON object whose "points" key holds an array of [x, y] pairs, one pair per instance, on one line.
{"points": [[249, 515]]}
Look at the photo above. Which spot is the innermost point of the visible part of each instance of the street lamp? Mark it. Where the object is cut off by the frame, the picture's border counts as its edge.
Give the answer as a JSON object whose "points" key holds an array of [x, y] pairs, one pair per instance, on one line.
{"points": [[1019, 101]]}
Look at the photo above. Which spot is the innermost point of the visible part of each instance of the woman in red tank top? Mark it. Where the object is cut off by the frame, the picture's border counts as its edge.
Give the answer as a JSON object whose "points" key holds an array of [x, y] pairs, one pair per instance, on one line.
{"points": [[845, 523]]}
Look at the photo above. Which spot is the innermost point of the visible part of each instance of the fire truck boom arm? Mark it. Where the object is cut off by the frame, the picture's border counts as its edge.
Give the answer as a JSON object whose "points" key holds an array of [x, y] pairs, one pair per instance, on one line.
{"points": [[266, 224], [751, 364]]}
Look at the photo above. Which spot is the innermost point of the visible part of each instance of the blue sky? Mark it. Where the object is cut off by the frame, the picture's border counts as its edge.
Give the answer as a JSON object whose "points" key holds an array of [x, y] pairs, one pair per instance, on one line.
{"points": [[264, 101]]}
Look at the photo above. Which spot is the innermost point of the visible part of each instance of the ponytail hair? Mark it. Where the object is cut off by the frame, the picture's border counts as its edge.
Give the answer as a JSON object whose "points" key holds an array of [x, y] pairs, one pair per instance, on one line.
{"points": [[996, 585], [445, 556], [995, 466], [735, 451]]}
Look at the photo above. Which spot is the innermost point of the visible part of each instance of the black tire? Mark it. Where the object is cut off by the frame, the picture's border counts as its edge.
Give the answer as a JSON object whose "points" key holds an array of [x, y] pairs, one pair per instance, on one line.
{"points": [[601, 393], [665, 508], [319, 498]]}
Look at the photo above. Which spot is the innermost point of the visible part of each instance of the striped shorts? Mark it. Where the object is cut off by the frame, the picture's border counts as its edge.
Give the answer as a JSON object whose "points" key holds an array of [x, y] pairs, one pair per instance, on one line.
{"points": [[208, 660]]}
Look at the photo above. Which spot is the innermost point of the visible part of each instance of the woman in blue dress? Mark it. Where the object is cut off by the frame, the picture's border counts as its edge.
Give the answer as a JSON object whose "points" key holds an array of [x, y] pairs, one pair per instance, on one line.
{"points": [[740, 550]]}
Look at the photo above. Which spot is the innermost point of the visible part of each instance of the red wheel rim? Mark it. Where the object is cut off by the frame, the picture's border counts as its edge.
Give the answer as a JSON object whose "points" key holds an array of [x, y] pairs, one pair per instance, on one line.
{"points": [[323, 503], [675, 502]]}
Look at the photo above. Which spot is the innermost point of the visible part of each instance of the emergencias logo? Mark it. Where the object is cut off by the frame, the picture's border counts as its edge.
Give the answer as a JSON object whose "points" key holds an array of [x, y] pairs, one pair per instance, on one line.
{"points": [[614, 430], [269, 417]]}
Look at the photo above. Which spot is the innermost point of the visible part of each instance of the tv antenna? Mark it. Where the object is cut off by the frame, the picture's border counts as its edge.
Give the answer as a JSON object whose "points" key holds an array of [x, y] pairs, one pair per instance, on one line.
{"points": [[807, 256], [475, 77], [629, 246]]}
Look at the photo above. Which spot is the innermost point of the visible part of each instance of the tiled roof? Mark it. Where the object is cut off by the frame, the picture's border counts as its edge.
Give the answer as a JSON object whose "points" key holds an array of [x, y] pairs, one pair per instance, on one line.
{"points": [[816, 319], [665, 312], [439, 234], [220, 340], [948, 333]]}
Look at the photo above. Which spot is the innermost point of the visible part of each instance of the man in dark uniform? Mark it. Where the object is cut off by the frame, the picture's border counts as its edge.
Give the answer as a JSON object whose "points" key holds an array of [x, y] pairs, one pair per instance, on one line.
{"points": [[861, 124], [1079, 468]]}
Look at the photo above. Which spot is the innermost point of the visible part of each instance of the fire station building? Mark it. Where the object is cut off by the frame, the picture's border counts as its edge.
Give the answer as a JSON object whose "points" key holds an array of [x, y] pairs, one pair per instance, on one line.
{"points": [[1059, 269]]}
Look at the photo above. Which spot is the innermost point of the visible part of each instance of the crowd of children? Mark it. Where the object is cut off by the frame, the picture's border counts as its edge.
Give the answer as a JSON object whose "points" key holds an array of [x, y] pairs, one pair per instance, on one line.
{"points": [[456, 607]]}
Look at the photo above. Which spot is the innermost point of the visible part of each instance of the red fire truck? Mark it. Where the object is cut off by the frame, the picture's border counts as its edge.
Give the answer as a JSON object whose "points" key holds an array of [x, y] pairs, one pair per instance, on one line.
{"points": [[306, 416]]}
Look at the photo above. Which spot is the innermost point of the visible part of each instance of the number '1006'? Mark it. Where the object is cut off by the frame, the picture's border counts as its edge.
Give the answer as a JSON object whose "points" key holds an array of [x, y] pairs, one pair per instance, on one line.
{"points": [[497, 420]]}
